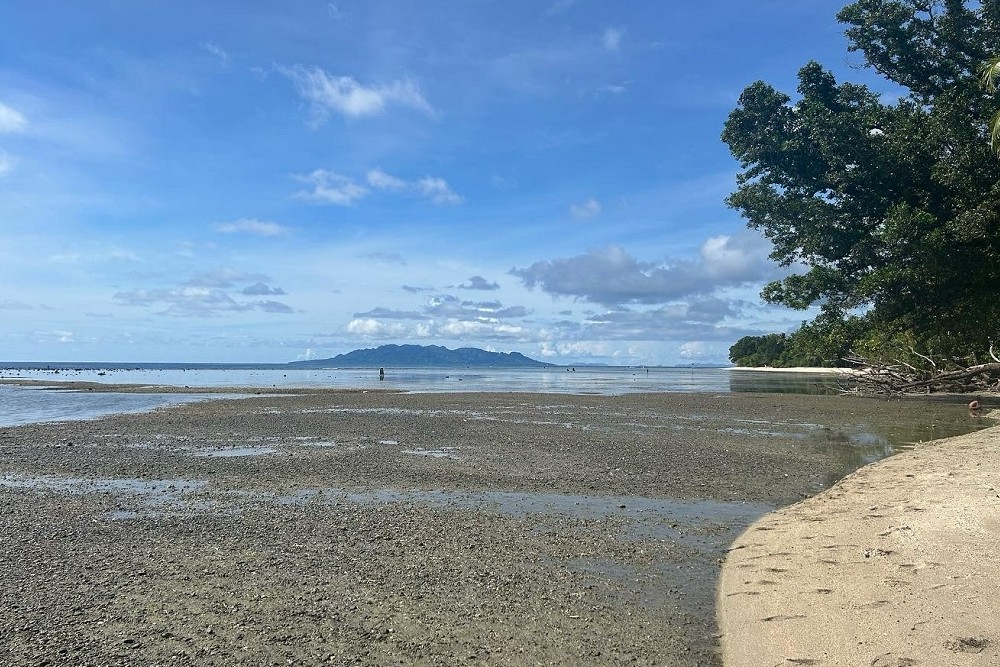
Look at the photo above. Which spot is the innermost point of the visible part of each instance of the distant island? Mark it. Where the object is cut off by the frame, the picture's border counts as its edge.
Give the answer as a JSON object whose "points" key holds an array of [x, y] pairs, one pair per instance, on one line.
{"points": [[422, 355]]}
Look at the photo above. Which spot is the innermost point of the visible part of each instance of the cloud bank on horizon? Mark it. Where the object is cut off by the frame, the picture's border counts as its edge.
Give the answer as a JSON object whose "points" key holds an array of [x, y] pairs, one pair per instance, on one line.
{"points": [[187, 182]]}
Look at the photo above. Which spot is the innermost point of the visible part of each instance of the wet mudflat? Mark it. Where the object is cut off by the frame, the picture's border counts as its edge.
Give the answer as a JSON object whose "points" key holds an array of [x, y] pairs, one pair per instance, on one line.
{"points": [[431, 529]]}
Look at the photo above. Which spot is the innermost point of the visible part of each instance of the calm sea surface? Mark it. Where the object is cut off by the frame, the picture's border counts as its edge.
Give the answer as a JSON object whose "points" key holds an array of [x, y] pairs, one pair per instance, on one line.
{"points": [[21, 405]]}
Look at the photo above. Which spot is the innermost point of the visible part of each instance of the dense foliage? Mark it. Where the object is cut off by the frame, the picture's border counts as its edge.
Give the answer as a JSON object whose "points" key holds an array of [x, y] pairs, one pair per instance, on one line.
{"points": [[885, 210], [829, 340]]}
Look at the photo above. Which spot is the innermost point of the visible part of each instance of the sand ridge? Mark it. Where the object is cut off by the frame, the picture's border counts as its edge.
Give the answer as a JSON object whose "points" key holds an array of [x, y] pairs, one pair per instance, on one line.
{"points": [[895, 565]]}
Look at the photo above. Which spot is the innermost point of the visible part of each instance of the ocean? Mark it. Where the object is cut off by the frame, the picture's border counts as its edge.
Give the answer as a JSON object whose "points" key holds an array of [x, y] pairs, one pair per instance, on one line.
{"points": [[22, 405]]}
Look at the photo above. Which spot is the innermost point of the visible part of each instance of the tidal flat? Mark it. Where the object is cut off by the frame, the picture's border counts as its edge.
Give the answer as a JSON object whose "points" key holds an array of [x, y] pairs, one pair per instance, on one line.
{"points": [[378, 528]]}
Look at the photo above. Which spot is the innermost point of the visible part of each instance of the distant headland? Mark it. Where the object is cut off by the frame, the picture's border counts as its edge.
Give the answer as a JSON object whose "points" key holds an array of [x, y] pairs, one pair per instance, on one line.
{"points": [[422, 355]]}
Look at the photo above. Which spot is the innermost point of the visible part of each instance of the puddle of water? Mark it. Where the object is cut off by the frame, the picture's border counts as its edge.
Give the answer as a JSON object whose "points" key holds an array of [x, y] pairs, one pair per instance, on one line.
{"points": [[233, 452], [388, 442], [443, 453], [135, 487]]}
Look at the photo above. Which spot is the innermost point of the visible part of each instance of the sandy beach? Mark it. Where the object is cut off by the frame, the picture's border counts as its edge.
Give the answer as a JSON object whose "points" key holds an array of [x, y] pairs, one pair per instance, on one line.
{"points": [[893, 566], [378, 528]]}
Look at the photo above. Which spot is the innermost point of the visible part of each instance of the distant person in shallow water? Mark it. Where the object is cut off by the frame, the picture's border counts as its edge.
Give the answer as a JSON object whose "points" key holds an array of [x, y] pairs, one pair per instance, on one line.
{"points": [[381, 374]]}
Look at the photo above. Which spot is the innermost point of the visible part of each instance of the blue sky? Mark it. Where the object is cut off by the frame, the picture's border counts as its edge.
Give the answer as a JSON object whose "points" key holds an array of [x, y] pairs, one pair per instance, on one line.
{"points": [[270, 181]]}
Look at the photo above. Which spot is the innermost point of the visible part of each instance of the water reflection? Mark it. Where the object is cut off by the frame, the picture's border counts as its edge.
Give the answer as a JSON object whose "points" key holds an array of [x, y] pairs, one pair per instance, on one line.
{"points": [[776, 382]]}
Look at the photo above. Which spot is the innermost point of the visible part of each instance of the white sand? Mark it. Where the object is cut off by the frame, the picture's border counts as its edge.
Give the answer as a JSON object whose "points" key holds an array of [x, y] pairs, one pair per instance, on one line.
{"points": [[895, 565]]}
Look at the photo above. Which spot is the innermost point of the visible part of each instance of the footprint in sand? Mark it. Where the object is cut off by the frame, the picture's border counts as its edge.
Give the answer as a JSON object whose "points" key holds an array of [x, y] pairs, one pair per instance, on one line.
{"points": [[965, 644], [782, 617], [892, 660]]}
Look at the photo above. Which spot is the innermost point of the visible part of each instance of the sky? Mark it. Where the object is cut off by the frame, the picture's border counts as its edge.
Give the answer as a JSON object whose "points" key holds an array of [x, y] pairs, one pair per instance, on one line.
{"points": [[270, 181]]}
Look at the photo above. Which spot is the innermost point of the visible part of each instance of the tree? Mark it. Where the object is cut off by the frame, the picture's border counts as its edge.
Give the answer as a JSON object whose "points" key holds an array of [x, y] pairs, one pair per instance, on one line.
{"points": [[990, 74], [888, 210], [758, 350]]}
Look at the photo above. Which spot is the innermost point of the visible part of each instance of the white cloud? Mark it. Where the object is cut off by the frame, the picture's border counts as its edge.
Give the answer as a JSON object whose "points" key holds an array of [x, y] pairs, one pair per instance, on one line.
{"points": [[251, 226], [613, 88], [437, 190], [612, 39], [11, 120], [588, 209], [331, 188], [727, 258], [694, 349], [261, 289], [611, 276], [369, 326], [206, 296], [380, 180], [344, 95], [481, 328], [95, 255], [479, 283]]}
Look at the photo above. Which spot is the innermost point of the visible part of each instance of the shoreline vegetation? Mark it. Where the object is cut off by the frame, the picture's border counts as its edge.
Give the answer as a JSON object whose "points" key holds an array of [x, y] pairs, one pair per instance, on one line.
{"points": [[371, 527], [893, 565]]}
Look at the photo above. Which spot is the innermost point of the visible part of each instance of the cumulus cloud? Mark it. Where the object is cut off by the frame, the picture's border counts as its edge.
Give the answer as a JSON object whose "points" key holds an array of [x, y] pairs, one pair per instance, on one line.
{"points": [[443, 316], [209, 294], [260, 289], [391, 314], [610, 276], [433, 188], [695, 349], [479, 283], [371, 327], [330, 188], [251, 226], [328, 93], [437, 190], [333, 188], [380, 180], [589, 208], [272, 307], [11, 120]]}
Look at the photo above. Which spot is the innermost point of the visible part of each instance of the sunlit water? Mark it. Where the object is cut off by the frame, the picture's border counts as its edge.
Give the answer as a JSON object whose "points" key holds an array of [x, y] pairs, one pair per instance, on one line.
{"points": [[29, 405], [20, 405], [557, 379]]}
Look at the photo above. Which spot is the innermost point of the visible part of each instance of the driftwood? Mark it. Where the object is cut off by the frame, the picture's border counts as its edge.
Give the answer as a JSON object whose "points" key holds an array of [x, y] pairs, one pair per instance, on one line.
{"points": [[923, 374]]}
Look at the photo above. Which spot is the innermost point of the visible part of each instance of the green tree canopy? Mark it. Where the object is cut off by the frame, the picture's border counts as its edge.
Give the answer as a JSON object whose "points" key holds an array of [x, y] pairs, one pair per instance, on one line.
{"points": [[890, 209]]}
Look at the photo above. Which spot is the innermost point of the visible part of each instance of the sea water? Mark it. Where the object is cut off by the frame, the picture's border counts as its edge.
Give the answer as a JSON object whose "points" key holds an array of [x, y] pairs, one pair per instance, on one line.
{"points": [[556, 379], [29, 405], [22, 405]]}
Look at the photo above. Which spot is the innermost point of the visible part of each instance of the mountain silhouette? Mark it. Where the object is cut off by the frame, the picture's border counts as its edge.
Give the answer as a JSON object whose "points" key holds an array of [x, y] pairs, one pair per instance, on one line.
{"points": [[422, 355]]}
